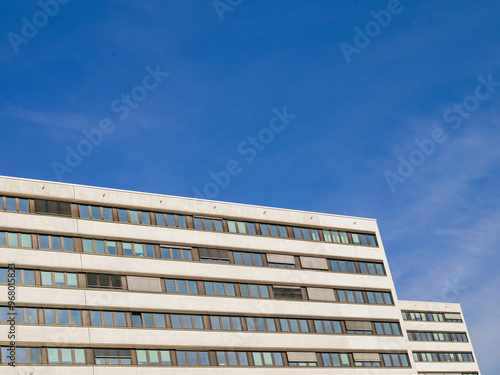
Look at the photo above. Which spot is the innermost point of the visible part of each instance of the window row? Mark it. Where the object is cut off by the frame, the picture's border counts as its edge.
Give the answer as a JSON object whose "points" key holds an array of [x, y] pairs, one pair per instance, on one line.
{"points": [[432, 317], [193, 321], [195, 287], [149, 250], [95, 212], [162, 357], [443, 357], [438, 336]]}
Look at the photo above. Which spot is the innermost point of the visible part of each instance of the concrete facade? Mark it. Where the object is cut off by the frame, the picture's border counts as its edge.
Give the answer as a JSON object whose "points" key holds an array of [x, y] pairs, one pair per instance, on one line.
{"points": [[84, 298]]}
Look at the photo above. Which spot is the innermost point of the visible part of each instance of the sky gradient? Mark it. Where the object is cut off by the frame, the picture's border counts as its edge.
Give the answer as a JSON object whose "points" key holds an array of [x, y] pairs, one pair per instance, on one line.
{"points": [[380, 109]]}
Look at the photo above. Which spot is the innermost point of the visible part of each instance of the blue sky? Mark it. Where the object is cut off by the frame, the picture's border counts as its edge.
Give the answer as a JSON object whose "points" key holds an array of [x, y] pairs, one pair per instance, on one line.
{"points": [[352, 117]]}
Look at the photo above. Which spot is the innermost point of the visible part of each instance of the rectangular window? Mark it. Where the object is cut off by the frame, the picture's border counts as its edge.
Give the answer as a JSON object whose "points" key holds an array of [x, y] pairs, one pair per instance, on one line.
{"points": [[219, 289], [95, 212], [226, 323], [306, 234], [138, 250], [153, 357], [55, 243], [214, 255], [104, 281], [99, 246], [336, 360], [254, 291], [181, 286], [14, 204], [208, 224], [11, 239], [68, 279], [273, 230], [170, 220], [328, 326], [249, 259], [395, 360], [267, 359], [48, 207], [232, 358], [23, 355], [176, 253], [335, 236], [192, 358], [241, 227], [294, 325], [287, 292], [112, 356]]}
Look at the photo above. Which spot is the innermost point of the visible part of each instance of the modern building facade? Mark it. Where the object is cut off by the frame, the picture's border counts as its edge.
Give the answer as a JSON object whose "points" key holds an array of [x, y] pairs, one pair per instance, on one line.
{"points": [[102, 281]]}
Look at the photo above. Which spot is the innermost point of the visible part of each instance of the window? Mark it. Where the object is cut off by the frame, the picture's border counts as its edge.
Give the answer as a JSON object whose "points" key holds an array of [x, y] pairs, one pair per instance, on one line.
{"points": [[43, 206], [14, 204], [226, 323], [22, 315], [21, 277], [387, 328], [176, 253], [335, 236], [50, 278], [379, 298], [343, 266], [249, 259], [214, 255], [170, 220], [443, 357], [327, 326], [181, 286], [351, 296], [232, 358], [104, 281], [23, 355], [55, 243], [11, 239], [395, 360], [192, 358], [62, 356], [306, 234], [273, 230], [218, 288], [153, 357], [261, 324], [112, 357], [355, 327], [138, 249], [336, 360], [254, 290], [133, 216], [63, 317], [287, 292], [267, 358], [431, 317], [148, 320], [372, 268], [241, 227], [187, 321], [208, 224], [95, 212], [294, 325], [99, 246], [107, 318]]}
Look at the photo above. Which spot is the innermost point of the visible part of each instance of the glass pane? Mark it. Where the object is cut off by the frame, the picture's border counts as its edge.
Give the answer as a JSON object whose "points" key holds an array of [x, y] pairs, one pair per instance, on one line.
{"points": [[35, 355], [251, 324], [241, 227], [46, 278], [268, 359], [165, 253], [186, 321], [198, 321], [87, 245], [50, 316], [145, 217], [170, 285], [68, 243], [134, 216], [13, 240], [297, 233], [76, 317], [264, 229], [230, 289], [43, 242], [251, 228], [107, 213], [257, 359], [264, 291], [72, 281], [29, 277], [66, 355], [214, 322], [176, 321], [2, 238], [204, 360], [21, 355], [219, 289], [148, 320], [181, 358], [208, 224], [96, 212], [209, 288], [187, 254], [127, 249], [193, 358], [171, 220], [120, 319], [107, 317], [197, 223], [153, 357], [344, 237], [95, 318], [62, 316], [139, 250], [181, 220], [136, 319], [150, 251], [221, 359], [176, 254], [84, 211], [160, 219], [53, 354], [23, 205], [231, 226], [122, 215], [165, 357], [99, 247], [31, 316]]}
